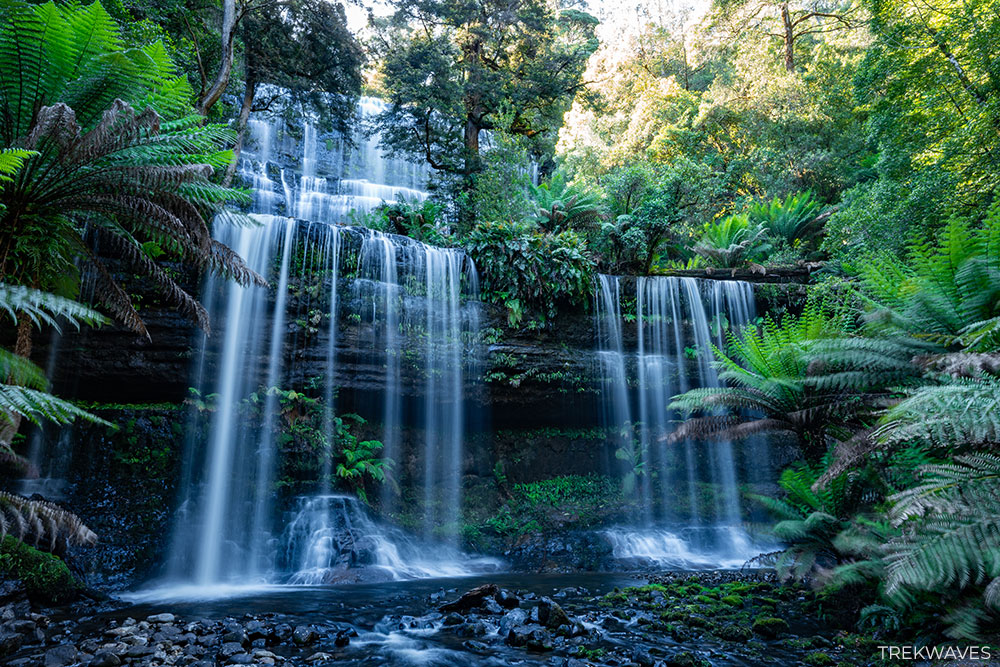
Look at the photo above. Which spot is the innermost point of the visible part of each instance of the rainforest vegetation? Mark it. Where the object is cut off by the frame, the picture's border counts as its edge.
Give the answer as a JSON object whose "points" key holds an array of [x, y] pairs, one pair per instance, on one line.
{"points": [[848, 151]]}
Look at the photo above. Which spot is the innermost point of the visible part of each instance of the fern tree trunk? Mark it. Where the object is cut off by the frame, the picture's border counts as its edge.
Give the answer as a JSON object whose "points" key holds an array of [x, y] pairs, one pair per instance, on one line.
{"points": [[22, 347]]}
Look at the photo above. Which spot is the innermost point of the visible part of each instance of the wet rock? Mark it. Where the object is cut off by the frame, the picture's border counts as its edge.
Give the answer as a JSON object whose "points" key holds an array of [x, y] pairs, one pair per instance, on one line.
{"points": [[236, 634], [105, 659], [139, 651], [304, 635], [161, 618], [316, 657], [229, 649], [769, 627], [642, 658], [686, 659], [344, 638], [242, 659], [10, 642], [539, 641], [60, 656], [282, 632], [550, 614], [733, 633], [454, 618], [512, 619], [472, 599], [507, 599]]}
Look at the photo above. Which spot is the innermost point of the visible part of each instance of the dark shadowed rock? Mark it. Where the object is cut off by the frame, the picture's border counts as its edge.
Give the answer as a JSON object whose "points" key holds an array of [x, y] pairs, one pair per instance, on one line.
{"points": [[472, 600], [60, 656]]}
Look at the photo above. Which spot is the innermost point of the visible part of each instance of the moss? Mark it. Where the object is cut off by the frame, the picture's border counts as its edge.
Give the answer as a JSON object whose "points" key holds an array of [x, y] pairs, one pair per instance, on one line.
{"points": [[733, 633], [769, 626], [732, 600], [45, 577], [818, 659]]}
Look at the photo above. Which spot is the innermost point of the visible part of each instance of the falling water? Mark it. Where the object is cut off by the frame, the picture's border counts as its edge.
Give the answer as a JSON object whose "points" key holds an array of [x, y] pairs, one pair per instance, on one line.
{"points": [[229, 526], [677, 320]]}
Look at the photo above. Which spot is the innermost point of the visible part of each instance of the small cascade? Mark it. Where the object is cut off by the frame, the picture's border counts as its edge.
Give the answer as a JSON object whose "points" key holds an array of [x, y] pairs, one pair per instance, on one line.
{"points": [[332, 539], [230, 525], [687, 506]]}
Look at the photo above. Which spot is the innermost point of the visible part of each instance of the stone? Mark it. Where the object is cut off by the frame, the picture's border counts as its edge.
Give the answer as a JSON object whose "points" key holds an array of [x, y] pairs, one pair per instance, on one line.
{"points": [[236, 635], [472, 599], [160, 618], [454, 618], [10, 642], [229, 649], [241, 659], [512, 619], [304, 635], [60, 656], [140, 651], [105, 659], [316, 657]]}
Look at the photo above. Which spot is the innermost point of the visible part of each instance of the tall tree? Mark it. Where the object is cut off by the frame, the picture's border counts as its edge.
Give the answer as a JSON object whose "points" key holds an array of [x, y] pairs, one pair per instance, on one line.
{"points": [[303, 47], [451, 69], [789, 21]]}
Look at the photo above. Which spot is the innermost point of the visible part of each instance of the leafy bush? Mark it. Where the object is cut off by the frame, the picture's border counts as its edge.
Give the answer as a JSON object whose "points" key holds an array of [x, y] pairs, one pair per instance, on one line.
{"points": [[571, 501], [301, 433], [531, 272]]}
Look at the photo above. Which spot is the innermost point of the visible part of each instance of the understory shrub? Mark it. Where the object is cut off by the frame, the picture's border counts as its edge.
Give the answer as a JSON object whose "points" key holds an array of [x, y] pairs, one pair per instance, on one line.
{"points": [[570, 501]]}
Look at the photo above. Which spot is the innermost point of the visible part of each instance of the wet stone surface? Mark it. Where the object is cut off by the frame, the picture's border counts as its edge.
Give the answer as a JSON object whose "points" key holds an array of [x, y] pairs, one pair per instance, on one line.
{"points": [[678, 620]]}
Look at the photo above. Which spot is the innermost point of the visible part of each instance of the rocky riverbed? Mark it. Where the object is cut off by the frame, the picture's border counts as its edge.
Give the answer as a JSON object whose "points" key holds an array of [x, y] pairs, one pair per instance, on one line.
{"points": [[671, 620]]}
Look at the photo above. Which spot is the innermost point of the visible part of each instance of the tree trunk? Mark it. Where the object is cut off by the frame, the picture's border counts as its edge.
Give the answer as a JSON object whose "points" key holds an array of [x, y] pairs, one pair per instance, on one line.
{"points": [[228, 33], [22, 347], [241, 127], [786, 19]]}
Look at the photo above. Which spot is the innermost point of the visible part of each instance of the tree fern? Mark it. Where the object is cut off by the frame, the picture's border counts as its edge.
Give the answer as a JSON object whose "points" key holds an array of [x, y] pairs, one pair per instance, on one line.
{"points": [[103, 174], [950, 544], [41, 524], [794, 219]]}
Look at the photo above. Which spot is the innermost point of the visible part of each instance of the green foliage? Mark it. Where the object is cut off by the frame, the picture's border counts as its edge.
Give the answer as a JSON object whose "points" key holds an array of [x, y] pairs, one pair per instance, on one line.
{"points": [[313, 441], [733, 241], [794, 219], [571, 501], [482, 60], [23, 393], [103, 174], [769, 388], [560, 205], [531, 272], [46, 577], [948, 290]]}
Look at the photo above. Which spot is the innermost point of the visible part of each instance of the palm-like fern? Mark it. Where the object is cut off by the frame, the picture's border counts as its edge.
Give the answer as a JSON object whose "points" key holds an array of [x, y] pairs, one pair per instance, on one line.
{"points": [[23, 391], [104, 179], [948, 291], [767, 369], [732, 241], [794, 219], [950, 544], [559, 205], [41, 524]]}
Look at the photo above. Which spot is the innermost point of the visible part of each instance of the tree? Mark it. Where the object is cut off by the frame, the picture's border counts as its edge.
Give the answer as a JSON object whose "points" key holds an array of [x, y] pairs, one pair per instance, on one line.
{"points": [[931, 94], [788, 21], [304, 49], [450, 70]]}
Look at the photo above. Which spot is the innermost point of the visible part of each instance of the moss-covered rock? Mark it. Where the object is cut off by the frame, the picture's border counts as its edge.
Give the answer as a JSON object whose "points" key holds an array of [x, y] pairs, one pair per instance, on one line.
{"points": [[818, 659], [45, 577], [769, 626]]}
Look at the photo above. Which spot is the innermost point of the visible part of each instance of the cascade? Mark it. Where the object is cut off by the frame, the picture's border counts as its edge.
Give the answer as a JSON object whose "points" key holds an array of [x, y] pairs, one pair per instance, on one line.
{"points": [[677, 320], [229, 527]]}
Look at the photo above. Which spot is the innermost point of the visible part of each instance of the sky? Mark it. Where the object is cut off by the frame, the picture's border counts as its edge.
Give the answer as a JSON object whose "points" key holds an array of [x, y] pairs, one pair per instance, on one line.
{"points": [[617, 16]]}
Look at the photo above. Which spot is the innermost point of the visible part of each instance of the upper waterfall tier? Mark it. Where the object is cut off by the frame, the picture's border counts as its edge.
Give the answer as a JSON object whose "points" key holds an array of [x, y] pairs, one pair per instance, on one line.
{"points": [[298, 172]]}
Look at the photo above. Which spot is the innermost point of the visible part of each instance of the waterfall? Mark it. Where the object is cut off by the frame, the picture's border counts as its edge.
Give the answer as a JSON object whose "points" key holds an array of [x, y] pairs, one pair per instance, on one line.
{"points": [[231, 527], [676, 322]]}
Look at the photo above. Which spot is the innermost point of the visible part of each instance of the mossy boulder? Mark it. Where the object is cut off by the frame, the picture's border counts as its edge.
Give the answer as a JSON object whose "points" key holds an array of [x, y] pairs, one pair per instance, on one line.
{"points": [[818, 659], [45, 576], [769, 626]]}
